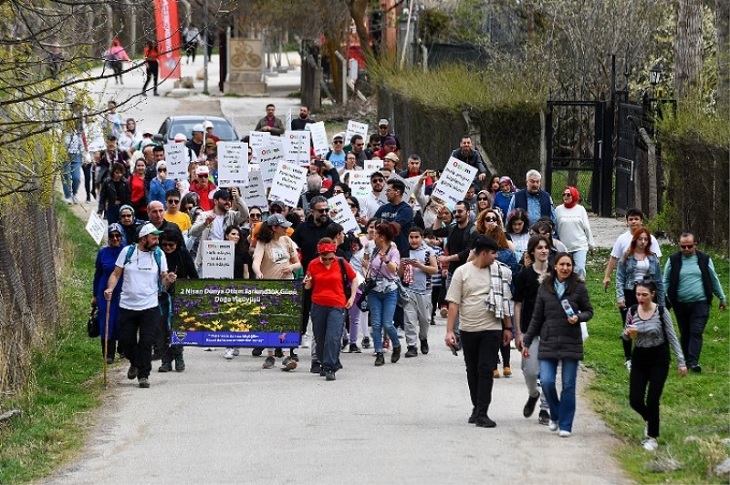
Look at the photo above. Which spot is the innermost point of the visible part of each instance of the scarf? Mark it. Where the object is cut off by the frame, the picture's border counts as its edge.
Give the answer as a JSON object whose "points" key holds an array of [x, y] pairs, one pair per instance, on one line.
{"points": [[573, 200], [499, 296]]}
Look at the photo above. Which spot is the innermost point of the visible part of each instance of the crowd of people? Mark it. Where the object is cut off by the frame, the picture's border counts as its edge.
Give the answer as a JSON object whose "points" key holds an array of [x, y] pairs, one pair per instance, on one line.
{"points": [[503, 266]]}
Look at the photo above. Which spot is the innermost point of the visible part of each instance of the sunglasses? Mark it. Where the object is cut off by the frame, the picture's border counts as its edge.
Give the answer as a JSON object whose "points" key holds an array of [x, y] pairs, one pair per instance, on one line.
{"points": [[686, 246], [321, 211], [377, 181], [482, 198], [202, 176], [359, 144], [115, 236], [490, 219], [254, 216], [173, 201], [338, 192], [567, 194], [168, 244], [337, 142], [327, 258], [161, 170]]}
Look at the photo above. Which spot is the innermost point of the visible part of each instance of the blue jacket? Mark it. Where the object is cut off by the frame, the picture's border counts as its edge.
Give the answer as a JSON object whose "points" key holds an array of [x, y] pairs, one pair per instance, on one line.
{"points": [[626, 279], [159, 189]]}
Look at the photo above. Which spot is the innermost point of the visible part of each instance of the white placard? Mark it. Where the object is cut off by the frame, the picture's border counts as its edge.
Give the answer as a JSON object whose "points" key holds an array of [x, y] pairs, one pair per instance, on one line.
{"points": [[296, 147], [319, 137], [258, 138], [373, 165], [288, 183], [177, 159], [96, 227], [288, 120], [254, 192], [232, 163], [218, 258], [454, 182], [341, 213], [356, 128], [268, 158], [360, 185]]}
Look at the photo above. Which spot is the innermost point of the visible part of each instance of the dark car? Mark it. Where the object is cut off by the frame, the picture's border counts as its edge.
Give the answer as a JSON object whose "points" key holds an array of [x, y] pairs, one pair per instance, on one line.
{"points": [[222, 128]]}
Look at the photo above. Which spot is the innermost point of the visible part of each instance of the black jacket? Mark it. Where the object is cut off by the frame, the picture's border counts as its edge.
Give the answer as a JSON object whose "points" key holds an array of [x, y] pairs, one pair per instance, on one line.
{"points": [[703, 261], [307, 236], [558, 338]]}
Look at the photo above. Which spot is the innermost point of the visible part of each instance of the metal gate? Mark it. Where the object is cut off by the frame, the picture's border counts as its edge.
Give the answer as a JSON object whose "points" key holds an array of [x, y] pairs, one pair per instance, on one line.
{"points": [[575, 145], [629, 148]]}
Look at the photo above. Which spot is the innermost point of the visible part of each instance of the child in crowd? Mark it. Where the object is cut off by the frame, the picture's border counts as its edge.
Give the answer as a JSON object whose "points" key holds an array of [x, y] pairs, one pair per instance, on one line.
{"points": [[438, 289]]}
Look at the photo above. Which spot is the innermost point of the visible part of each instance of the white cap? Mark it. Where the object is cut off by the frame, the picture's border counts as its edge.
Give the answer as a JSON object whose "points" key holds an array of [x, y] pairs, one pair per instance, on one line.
{"points": [[207, 124], [180, 137], [339, 135], [202, 170], [161, 163], [148, 229], [199, 128]]}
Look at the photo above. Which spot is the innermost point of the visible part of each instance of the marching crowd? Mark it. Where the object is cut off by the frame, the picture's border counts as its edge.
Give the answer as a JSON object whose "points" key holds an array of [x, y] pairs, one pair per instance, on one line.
{"points": [[504, 265]]}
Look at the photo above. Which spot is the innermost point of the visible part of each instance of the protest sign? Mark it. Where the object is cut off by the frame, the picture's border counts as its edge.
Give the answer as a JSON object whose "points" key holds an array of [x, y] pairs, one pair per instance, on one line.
{"points": [[218, 257], [410, 184], [237, 313], [341, 213], [258, 138], [319, 138], [288, 183], [356, 128], [268, 158], [177, 159], [296, 147], [360, 184], [454, 182], [254, 192], [232, 163], [287, 125], [96, 227], [373, 165]]}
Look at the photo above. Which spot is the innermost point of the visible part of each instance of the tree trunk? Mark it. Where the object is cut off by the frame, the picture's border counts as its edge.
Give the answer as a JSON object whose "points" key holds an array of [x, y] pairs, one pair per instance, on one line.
{"points": [[358, 9], [331, 46], [722, 13], [651, 170], [688, 47]]}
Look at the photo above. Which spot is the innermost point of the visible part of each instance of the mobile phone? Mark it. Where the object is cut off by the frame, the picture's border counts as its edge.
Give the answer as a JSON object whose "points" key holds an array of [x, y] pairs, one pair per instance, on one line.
{"points": [[454, 350]]}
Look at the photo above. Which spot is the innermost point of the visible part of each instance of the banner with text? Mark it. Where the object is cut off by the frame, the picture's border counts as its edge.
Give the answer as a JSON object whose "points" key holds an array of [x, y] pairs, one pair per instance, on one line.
{"points": [[288, 183], [359, 184], [454, 182], [296, 147], [237, 313], [356, 128], [232, 163], [254, 192], [96, 227]]}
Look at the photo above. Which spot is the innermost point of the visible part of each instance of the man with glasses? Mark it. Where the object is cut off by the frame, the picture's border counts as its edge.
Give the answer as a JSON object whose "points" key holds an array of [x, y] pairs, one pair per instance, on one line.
{"points": [[307, 235], [373, 146], [634, 221], [173, 212], [357, 147], [336, 156], [690, 281], [374, 199], [536, 202], [384, 133], [203, 187]]}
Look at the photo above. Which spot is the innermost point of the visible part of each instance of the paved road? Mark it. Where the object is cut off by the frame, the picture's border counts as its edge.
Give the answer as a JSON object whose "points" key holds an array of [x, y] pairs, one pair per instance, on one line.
{"points": [[234, 422]]}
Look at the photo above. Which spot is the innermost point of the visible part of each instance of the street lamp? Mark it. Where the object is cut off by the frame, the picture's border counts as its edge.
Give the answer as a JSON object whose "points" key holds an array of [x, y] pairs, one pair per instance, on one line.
{"points": [[655, 74]]}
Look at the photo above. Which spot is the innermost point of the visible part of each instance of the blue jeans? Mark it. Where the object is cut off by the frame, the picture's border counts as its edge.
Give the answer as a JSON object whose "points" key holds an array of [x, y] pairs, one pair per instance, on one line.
{"points": [[327, 325], [579, 262], [562, 409], [382, 308], [71, 175]]}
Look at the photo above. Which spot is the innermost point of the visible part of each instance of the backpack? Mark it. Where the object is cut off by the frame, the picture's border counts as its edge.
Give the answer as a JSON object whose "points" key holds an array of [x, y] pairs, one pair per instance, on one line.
{"points": [[346, 284], [157, 253]]}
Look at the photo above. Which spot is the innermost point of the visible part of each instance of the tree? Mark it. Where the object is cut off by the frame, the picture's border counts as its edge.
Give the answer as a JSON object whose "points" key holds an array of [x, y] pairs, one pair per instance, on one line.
{"points": [[722, 19], [688, 48]]}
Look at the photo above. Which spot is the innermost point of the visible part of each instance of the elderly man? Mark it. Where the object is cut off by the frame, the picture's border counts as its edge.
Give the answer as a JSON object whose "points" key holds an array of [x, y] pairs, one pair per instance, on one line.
{"points": [[536, 202], [690, 281], [270, 123], [468, 155]]}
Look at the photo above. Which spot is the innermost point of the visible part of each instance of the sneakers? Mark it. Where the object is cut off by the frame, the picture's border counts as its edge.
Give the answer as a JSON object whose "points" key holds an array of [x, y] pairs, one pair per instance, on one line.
{"points": [[180, 363], [649, 444], [395, 357], [278, 353], [345, 343], [530, 406], [483, 421], [330, 376], [379, 359], [564, 434], [288, 364], [495, 374], [235, 352], [696, 368], [132, 372], [68, 200], [444, 312], [506, 371], [424, 346], [553, 425], [165, 367], [294, 356], [229, 354], [411, 352], [315, 368], [354, 349], [366, 342], [305, 341], [401, 333], [473, 417], [144, 383], [269, 362], [627, 364], [544, 417], [256, 352], [74, 199]]}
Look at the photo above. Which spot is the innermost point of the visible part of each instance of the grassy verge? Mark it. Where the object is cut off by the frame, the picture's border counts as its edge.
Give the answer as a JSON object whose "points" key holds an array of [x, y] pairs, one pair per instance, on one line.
{"points": [[695, 409], [67, 386]]}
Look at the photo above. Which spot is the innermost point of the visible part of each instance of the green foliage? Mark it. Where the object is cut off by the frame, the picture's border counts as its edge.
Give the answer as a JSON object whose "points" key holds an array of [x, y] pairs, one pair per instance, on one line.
{"points": [[66, 387], [433, 26], [694, 409]]}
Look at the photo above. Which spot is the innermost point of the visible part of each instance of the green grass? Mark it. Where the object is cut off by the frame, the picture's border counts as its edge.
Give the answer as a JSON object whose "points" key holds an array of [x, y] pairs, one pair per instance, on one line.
{"points": [[67, 386], [695, 410]]}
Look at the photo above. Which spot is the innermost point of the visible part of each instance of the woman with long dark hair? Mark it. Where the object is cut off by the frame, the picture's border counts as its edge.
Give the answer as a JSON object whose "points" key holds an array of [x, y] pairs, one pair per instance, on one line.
{"points": [[562, 304], [518, 231]]}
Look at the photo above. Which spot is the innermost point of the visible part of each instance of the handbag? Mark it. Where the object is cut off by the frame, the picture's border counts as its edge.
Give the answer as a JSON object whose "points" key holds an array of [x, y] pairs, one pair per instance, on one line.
{"points": [[92, 324], [403, 296]]}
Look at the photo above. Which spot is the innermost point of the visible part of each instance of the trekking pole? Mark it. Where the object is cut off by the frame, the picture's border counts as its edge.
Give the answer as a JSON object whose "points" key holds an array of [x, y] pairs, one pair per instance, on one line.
{"points": [[106, 339]]}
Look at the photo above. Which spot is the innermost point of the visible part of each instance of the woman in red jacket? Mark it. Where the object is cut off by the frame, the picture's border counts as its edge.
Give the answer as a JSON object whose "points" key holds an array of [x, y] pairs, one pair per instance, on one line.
{"points": [[136, 188]]}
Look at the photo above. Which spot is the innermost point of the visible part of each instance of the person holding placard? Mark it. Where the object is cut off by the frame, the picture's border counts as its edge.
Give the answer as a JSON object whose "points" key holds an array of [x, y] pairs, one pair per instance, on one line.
{"points": [[276, 258], [373, 201]]}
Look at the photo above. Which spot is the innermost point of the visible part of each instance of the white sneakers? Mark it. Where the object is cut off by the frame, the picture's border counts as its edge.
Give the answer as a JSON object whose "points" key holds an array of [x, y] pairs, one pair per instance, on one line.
{"points": [[627, 364], [230, 353], [305, 341], [649, 444], [564, 434], [553, 425]]}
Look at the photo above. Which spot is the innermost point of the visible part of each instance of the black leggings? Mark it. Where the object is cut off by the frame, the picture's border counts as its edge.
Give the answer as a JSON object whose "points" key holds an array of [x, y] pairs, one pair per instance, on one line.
{"points": [[649, 370], [153, 72], [89, 181]]}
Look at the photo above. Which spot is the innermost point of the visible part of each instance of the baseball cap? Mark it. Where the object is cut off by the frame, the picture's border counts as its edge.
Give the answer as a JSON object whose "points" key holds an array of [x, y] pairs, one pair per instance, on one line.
{"points": [[180, 137], [198, 127], [161, 163], [383, 122], [202, 170], [278, 220], [392, 156], [111, 137], [147, 132], [148, 229], [207, 124], [278, 203], [336, 136]]}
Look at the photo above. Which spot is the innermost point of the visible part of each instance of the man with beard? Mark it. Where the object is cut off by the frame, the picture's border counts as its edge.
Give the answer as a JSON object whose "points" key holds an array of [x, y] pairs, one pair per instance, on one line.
{"points": [[145, 275], [299, 124], [468, 155], [307, 235]]}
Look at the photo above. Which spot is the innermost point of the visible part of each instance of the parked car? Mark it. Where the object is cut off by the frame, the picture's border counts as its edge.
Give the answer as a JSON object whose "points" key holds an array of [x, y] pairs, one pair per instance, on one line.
{"points": [[222, 128]]}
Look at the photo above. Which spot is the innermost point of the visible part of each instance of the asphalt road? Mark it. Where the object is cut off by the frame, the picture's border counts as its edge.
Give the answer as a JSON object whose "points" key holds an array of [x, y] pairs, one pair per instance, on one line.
{"points": [[233, 422]]}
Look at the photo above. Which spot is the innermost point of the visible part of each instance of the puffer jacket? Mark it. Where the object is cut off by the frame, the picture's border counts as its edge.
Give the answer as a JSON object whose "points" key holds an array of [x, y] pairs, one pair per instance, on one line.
{"points": [[558, 338]]}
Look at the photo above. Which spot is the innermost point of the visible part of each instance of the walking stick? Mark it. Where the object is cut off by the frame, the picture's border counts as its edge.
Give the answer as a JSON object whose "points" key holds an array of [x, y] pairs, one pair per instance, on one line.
{"points": [[106, 339]]}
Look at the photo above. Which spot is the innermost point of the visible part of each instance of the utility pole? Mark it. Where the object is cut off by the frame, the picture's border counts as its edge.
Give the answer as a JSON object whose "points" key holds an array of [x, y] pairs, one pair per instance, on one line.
{"points": [[205, 47]]}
